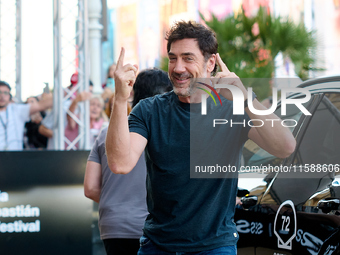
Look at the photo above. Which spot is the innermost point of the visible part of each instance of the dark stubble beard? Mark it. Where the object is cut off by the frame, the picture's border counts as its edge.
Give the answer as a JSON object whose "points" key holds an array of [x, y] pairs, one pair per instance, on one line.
{"points": [[192, 86], [188, 91]]}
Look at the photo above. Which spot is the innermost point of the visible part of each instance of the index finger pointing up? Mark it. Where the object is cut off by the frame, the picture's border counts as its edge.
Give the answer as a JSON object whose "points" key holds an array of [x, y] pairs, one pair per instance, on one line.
{"points": [[221, 64], [121, 58]]}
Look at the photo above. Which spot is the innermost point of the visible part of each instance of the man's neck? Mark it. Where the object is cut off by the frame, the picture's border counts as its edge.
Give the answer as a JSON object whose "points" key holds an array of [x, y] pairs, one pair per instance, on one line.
{"points": [[3, 108], [194, 98]]}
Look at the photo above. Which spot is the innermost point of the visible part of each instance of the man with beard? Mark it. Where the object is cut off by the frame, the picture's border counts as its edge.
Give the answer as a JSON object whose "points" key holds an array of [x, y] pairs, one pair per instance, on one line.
{"points": [[186, 215]]}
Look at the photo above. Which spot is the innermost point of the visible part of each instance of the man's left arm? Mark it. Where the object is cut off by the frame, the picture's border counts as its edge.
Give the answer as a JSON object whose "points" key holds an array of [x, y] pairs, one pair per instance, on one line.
{"points": [[92, 180], [270, 135], [93, 174], [275, 139], [45, 103]]}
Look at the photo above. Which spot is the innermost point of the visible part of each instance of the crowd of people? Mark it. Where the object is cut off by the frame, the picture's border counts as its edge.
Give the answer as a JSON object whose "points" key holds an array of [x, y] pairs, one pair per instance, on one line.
{"points": [[31, 125], [13, 119]]}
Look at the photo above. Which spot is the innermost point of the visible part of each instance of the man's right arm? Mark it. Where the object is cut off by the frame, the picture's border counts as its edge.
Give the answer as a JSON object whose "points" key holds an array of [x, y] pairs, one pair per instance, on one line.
{"points": [[45, 103], [45, 131], [81, 97], [123, 149]]}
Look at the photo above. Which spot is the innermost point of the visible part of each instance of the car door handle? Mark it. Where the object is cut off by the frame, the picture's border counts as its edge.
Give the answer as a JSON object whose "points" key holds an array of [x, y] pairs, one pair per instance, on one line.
{"points": [[329, 204]]}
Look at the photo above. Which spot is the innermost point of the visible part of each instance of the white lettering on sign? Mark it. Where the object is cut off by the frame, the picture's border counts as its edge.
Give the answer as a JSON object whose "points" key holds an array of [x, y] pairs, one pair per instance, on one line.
{"points": [[19, 226], [3, 196], [20, 211]]}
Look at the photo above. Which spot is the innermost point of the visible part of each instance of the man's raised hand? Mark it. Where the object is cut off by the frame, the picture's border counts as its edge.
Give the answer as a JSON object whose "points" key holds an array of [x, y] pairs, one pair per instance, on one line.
{"points": [[227, 77], [125, 77]]}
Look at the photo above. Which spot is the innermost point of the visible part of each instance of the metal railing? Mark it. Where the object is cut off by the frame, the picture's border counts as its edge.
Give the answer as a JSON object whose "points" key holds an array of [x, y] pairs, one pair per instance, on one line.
{"points": [[10, 45], [70, 55]]}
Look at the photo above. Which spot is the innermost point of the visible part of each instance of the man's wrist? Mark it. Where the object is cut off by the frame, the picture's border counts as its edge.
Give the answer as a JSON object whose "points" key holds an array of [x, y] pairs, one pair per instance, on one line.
{"points": [[120, 101]]}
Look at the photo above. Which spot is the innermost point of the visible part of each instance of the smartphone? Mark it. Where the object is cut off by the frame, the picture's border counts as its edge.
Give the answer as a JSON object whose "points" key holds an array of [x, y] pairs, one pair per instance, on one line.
{"points": [[47, 88]]}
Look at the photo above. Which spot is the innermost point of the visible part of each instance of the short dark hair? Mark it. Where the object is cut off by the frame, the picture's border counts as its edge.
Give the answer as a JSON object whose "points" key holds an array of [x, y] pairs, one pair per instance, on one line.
{"points": [[205, 37], [3, 83], [150, 82]]}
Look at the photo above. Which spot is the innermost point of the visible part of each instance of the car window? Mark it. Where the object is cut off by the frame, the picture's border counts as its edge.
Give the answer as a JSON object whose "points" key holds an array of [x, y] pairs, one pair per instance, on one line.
{"points": [[316, 159], [321, 141], [319, 150], [253, 155]]}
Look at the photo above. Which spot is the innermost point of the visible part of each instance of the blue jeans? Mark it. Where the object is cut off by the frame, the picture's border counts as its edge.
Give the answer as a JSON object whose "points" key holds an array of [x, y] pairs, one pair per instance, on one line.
{"points": [[147, 247]]}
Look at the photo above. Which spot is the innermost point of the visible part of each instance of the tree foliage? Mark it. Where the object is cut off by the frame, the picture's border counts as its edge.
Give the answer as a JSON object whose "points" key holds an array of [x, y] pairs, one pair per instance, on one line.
{"points": [[249, 45]]}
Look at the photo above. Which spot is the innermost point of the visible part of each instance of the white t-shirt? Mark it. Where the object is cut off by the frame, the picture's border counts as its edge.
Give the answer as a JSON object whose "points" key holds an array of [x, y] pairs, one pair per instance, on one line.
{"points": [[12, 126]]}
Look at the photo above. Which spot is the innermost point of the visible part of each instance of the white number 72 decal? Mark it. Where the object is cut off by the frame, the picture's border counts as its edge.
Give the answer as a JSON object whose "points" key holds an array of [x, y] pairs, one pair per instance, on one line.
{"points": [[285, 223]]}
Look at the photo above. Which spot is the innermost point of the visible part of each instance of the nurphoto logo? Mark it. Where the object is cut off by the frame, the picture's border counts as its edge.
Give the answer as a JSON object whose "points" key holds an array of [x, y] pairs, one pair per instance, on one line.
{"points": [[238, 99]]}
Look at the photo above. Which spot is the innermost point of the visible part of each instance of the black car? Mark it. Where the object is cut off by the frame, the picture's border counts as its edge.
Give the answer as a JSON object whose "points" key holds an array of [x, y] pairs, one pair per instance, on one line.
{"points": [[296, 209]]}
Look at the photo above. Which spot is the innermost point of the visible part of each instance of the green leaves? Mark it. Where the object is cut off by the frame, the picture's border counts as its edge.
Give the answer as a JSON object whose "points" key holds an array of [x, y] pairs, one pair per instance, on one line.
{"points": [[249, 45]]}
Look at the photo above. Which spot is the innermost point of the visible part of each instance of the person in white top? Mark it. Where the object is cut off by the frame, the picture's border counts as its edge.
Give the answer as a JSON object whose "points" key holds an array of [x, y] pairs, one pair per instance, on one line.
{"points": [[13, 117]]}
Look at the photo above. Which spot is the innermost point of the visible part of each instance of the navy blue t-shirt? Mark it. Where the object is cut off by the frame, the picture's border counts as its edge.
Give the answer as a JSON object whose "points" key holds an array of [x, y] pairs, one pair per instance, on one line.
{"points": [[188, 214]]}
